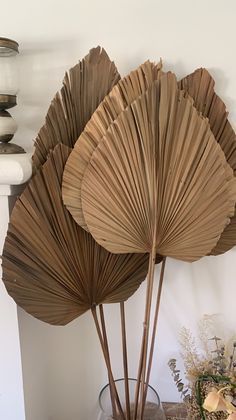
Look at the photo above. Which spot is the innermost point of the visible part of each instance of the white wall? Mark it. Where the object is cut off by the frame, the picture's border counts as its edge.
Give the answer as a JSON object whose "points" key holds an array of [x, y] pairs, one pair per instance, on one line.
{"points": [[63, 368]]}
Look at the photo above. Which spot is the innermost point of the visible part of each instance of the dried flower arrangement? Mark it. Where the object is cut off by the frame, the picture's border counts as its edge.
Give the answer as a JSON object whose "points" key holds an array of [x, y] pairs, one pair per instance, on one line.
{"points": [[210, 391], [127, 172]]}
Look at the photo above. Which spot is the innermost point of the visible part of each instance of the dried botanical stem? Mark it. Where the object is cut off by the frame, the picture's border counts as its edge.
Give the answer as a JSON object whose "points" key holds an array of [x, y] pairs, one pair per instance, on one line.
{"points": [[154, 330], [103, 324], [107, 361], [94, 313], [138, 382], [125, 359], [139, 371], [111, 383], [144, 345], [147, 321]]}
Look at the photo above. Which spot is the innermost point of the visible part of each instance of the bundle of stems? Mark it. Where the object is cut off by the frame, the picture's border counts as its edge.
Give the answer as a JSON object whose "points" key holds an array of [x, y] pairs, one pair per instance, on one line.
{"points": [[132, 410]]}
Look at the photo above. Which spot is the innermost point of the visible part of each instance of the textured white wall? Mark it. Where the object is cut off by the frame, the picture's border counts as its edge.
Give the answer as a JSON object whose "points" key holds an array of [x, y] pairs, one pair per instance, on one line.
{"points": [[63, 368]]}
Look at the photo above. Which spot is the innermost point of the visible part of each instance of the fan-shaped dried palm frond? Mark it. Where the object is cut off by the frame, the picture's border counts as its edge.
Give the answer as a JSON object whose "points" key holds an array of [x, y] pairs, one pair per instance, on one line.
{"points": [[122, 95], [200, 85], [52, 267], [84, 87], [158, 176]]}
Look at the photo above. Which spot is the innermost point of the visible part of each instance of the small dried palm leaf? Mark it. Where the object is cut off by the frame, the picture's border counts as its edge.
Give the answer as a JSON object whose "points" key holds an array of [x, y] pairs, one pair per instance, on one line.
{"points": [[52, 267], [122, 95], [200, 85], [84, 87], [158, 176]]}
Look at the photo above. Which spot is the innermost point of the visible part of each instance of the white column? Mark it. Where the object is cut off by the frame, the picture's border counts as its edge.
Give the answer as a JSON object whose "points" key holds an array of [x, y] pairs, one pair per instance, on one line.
{"points": [[15, 170]]}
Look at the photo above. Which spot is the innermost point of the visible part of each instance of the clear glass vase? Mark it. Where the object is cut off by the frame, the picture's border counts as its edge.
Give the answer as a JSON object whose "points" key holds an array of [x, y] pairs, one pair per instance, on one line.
{"points": [[153, 408], [8, 68]]}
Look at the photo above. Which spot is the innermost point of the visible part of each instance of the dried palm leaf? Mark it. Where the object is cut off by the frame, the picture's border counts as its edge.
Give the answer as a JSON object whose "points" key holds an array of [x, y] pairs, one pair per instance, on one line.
{"points": [[159, 177], [84, 87], [122, 95], [227, 239], [52, 267], [200, 85]]}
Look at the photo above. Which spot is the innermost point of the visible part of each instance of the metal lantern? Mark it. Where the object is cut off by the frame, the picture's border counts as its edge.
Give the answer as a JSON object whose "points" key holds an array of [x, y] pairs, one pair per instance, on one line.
{"points": [[8, 91]]}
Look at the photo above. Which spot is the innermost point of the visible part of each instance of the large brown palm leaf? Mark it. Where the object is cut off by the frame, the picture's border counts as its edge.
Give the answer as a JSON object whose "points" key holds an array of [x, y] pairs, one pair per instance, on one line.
{"points": [[52, 267], [84, 87], [159, 177], [200, 85], [123, 94]]}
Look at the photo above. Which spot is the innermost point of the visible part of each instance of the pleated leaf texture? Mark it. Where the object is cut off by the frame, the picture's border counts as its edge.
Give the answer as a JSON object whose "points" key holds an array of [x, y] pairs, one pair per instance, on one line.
{"points": [[159, 178], [52, 267], [200, 85], [123, 94], [84, 87]]}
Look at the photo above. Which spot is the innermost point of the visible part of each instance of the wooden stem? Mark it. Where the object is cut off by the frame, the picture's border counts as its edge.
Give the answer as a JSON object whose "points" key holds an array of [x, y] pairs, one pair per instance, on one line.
{"points": [[147, 321], [104, 332], [154, 330], [103, 324], [111, 382], [144, 345], [140, 363], [94, 313], [125, 359], [108, 365]]}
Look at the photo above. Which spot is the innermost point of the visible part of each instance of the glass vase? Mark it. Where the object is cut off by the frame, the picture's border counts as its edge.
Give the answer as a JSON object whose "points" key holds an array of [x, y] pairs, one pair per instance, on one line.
{"points": [[153, 408], [8, 67]]}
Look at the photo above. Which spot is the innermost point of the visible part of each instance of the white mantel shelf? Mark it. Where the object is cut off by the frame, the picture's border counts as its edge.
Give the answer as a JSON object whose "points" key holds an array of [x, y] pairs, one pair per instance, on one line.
{"points": [[14, 170]]}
